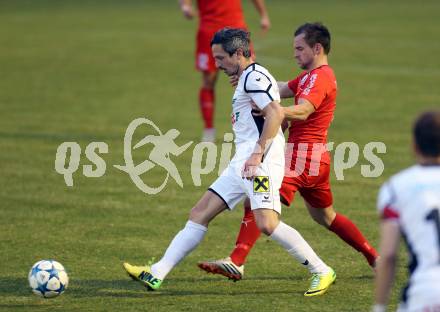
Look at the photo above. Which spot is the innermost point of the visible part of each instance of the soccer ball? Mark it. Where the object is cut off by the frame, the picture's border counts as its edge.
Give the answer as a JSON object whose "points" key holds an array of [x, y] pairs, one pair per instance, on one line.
{"points": [[48, 278]]}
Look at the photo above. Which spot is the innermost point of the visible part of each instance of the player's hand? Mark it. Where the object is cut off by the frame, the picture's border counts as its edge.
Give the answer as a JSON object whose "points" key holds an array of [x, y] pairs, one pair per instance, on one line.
{"points": [[187, 11], [251, 166], [256, 111], [265, 24], [233, 80]]}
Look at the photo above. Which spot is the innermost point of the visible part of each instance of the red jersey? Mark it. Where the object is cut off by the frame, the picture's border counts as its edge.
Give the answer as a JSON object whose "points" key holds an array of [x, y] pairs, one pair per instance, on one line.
{"points": [[319, 88], [220, 13]]}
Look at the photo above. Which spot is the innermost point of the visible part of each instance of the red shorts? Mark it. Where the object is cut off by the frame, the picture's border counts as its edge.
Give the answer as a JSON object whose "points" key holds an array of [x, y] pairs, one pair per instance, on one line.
{"points": [[204, 59], [314, 189]]}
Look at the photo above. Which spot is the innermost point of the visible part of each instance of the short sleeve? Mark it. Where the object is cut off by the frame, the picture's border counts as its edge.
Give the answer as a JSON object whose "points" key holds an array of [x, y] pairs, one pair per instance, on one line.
{"points": [[386, 203], [261, 89], [316, 89]]}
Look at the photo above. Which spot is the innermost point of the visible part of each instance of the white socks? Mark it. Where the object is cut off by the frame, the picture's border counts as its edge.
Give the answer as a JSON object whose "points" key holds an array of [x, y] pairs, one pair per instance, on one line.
{"points": [[183, 243], [192, 234], [295, 245]]}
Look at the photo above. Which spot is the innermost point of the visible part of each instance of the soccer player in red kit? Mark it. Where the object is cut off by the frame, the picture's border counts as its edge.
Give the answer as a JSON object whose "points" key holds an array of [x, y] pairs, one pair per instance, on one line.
{"points": [[314, 92], [214, 15]]}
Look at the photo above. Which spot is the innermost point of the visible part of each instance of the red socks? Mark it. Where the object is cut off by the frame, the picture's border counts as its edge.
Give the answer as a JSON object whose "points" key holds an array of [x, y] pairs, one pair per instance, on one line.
{"points": [[206, 101], [349, 232], [248, 235], [341, 225]]}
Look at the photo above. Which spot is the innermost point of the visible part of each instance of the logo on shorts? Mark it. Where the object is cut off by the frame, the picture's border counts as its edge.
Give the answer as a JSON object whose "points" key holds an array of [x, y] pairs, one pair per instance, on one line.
{"points": [[203, 61], [266, 199], [261, 184]]}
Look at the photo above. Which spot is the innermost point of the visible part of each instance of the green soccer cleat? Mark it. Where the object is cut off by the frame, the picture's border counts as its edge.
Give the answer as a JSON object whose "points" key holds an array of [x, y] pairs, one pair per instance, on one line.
{"points": [[320, 283], [143, 275]]}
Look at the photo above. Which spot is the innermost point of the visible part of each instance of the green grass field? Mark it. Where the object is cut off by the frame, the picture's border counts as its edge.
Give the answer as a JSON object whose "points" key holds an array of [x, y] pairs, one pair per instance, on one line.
{"points": [[83, 70]]}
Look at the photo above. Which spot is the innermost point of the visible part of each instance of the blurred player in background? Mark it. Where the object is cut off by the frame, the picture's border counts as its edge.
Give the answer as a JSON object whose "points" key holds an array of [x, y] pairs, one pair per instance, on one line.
{"points": [[314, 92], [255, 171], [409, 205], [214, 15]]}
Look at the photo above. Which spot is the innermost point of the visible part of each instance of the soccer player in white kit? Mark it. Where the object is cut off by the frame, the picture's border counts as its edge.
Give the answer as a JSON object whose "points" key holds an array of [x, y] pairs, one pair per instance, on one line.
{"points": [[255, 171], [409, 204]]}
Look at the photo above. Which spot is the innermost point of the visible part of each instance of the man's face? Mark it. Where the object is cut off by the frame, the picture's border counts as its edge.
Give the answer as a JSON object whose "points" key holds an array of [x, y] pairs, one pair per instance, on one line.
{"points": [[229, 64], [304, 54]]}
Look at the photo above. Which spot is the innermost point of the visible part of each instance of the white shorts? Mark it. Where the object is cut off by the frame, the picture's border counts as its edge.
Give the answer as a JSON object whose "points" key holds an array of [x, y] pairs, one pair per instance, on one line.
{"points": [[263, 190]]}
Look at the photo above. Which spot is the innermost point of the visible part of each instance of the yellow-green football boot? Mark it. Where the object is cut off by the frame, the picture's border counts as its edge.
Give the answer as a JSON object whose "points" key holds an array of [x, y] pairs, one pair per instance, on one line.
{"points": [[143, 275], [320, 283]]}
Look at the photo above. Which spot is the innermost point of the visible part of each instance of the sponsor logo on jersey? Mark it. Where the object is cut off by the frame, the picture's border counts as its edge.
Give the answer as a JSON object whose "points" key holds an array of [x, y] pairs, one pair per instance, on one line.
{"points": [[234, 117], [303, 79], [310, 84]]}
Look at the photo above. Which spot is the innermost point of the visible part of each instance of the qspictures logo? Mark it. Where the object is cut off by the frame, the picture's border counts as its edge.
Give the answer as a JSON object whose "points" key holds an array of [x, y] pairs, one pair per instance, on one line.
{"points": [[163, 149]]}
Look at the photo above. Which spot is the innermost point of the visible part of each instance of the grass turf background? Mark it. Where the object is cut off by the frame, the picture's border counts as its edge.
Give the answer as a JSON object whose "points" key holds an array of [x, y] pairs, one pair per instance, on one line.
{"points": [[83, 70]]}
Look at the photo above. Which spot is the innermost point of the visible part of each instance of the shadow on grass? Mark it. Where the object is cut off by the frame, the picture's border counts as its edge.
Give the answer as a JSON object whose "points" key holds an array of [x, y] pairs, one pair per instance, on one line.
{"points": [[173, 287], [364, 277], [176, 287], [126, 288], [14, 286]]}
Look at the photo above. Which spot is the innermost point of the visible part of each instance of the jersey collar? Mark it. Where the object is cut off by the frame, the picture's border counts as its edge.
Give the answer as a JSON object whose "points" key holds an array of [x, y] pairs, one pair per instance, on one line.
{"points": [[252, 64]]}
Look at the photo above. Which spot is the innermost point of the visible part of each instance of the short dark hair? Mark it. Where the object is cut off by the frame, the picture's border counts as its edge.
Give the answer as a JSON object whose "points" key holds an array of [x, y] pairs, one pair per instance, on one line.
{"points": [[427, 133], [232, 39], [315, 33]]}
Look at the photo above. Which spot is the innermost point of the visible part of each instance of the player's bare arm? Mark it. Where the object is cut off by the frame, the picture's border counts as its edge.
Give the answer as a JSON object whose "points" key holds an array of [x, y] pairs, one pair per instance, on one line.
{"points": [[264, 16], [285, 91], [274, 116], [301, 111], [390, 238], [187, 8]]}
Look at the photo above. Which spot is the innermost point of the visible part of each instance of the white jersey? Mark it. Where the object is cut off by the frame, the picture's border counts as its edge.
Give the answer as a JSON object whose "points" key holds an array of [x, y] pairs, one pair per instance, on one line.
{"points": [[412, 198], [256, 85]]}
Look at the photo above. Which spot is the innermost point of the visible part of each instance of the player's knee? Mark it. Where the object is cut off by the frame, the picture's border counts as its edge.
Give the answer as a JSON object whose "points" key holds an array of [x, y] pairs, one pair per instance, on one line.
{"points": [[247, 204], [323, 217], [209, 80], [207, 84], [266, 226], [318, 218]]}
